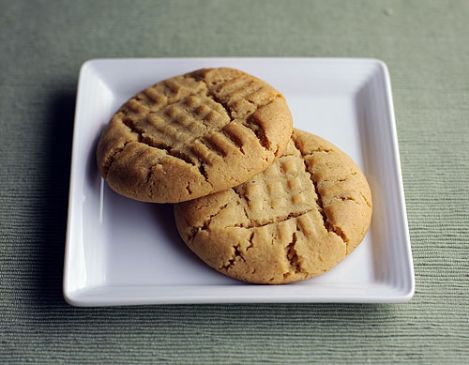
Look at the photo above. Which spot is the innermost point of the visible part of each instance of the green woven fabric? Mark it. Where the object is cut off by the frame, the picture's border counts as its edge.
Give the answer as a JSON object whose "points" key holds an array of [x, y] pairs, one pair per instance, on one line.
{"points": [[43, 44]]}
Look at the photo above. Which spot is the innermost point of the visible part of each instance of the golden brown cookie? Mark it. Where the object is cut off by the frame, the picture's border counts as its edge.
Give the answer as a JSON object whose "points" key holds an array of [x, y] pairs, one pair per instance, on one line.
{"points": [[193, 135], [295, 220]]}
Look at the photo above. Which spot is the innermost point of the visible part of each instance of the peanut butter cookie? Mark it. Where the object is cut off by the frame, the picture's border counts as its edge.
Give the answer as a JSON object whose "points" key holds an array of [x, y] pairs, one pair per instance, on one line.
{"points": [[295, 220], [193, 135]]}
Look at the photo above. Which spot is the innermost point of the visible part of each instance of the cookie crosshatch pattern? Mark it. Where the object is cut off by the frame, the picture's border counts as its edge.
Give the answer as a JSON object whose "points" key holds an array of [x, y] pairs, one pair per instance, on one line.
{"points": [[295, 220], [193, 135]]}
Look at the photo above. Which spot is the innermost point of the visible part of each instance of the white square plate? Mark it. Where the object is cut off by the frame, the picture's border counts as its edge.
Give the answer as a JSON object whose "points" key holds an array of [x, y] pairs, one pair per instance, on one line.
{"points": [[122, 252]]}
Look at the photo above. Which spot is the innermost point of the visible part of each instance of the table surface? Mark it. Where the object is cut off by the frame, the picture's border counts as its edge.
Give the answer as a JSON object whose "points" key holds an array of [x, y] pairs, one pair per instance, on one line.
{"points": [[42, 45]]}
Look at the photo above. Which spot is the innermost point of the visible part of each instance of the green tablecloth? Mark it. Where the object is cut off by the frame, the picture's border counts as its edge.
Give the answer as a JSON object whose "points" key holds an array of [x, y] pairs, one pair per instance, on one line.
{"points": [[42, 45]]}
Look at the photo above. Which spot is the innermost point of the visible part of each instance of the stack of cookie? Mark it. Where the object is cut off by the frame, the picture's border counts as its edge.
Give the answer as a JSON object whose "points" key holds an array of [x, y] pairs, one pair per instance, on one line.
{"points": [[254, 198]]}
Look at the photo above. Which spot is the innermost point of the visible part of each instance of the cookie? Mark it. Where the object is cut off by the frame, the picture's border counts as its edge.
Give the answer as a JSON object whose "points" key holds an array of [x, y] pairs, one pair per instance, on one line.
{"points": [[193, 135], [297, 219]]}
